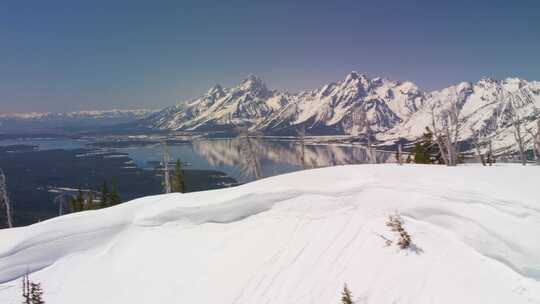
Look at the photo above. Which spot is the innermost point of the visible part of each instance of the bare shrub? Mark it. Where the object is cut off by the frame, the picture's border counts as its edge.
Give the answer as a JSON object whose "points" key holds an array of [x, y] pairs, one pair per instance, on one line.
{"points": [[4, 199], [395, 222], [346, 296]]}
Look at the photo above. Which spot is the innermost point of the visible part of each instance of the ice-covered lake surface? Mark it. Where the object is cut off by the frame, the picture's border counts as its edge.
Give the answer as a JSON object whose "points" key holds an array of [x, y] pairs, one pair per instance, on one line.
{"points": [[243, 159], [297, 238]]}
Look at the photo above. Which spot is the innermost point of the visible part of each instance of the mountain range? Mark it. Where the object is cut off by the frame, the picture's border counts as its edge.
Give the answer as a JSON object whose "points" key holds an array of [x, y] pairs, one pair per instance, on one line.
{"points": [[326, 110], [52, 122], [394, 109]]}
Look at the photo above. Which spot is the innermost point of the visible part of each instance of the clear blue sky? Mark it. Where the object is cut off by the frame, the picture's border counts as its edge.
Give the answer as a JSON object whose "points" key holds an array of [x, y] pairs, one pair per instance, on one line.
{"points": [[70, 55]]}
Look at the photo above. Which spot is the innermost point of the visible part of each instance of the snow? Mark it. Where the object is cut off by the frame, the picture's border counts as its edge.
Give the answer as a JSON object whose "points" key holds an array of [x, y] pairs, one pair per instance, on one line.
{"points": [[297, 238]]}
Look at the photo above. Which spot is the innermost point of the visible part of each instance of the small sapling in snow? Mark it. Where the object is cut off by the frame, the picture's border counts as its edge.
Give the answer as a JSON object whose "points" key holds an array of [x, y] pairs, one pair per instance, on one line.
{"points": [[346, 296], [395, 222]]}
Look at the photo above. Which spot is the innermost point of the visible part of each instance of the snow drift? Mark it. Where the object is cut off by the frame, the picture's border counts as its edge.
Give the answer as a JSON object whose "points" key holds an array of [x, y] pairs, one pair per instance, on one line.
{"points": [[297, 238]]}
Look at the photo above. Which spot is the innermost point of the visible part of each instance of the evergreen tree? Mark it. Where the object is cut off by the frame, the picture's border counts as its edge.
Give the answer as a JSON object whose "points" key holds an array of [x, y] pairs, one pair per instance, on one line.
{"points": [[431, 147], [426, 151], [72, 204], [79, 201], [36, 293], [32, 292], [346, 296], [178, 178], [104, 195], [114, 197], [90, 201], [420, 154]]}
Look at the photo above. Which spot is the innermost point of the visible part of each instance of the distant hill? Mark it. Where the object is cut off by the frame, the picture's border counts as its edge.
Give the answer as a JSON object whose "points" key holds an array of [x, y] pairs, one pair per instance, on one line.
{"points": [[70, 121]]}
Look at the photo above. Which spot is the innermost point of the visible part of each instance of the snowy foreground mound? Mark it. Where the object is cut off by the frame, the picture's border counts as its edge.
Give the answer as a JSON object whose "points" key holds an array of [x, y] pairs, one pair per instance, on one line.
{"points": [[297, 238]]}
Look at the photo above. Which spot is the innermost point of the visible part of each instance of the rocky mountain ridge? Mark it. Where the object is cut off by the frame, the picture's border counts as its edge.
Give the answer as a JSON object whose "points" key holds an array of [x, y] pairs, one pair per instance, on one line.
{"points": [[394, 109]]}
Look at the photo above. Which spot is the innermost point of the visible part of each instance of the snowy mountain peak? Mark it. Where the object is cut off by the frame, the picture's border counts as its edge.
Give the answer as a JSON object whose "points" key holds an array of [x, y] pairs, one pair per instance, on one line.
{"points": [[514, 80], [242, 105], [488, 79], [215, 91], [514, 83], [464, 86], [510, 82], [352, 75], [394, 108], [252, 83], [355, 77], [486, 106]]}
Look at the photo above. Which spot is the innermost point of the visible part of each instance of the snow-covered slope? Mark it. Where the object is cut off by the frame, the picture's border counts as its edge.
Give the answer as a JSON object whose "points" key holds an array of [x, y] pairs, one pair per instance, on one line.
{"points": [[242, 106], [297, 238], [330, 108]]}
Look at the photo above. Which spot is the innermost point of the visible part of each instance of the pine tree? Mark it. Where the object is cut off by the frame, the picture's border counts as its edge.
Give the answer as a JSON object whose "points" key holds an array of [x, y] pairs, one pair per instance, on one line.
{"points": [[72, 204], [420, 154], [114, 197], [32, 292], [346, 296], [178, 178], [431, 147], [90, 201], [36, 293], [426, 151], [79, 201], [104, 195]]}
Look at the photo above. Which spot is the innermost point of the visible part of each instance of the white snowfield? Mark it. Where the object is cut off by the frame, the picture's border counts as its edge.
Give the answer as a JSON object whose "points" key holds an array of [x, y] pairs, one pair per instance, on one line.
{"points": [[297, 238]]}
